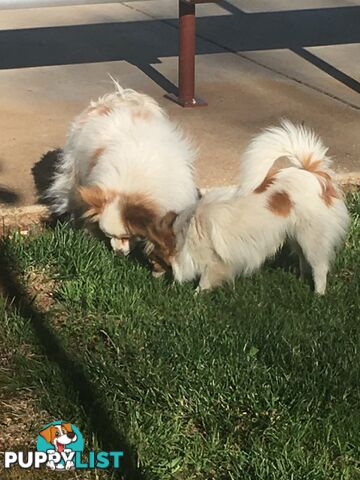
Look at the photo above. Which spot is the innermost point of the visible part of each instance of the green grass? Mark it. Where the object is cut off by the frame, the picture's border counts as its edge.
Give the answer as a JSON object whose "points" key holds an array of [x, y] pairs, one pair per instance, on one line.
{"points": [[257, 382]]}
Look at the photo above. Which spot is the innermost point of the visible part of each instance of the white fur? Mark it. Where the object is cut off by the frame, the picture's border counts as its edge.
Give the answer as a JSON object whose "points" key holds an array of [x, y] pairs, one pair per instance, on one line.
{"points": [[143, 153], [233, 231]]}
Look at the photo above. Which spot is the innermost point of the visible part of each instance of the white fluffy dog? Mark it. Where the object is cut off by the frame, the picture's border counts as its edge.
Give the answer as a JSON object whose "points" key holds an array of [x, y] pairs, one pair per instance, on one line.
{"points": [[124, 165], [232, 231]]}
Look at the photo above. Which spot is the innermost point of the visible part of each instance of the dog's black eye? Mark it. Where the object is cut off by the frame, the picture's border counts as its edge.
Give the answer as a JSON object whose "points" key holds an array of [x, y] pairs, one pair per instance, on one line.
{"points": [[56, 434]]}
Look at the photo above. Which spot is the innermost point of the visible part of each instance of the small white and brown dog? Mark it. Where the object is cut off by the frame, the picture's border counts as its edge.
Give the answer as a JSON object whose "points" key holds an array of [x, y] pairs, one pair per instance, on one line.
{"points": [[60, 436], [124, 165], [232, 231]]}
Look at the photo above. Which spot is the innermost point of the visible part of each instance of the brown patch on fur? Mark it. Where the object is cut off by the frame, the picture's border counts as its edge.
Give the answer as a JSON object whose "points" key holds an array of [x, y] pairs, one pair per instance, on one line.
{"points": [[329, 191], [162, 238], [95, 157], [280, 203], [138, 212], [310, 165], [141, 216], [95, 198], [268, 180]]}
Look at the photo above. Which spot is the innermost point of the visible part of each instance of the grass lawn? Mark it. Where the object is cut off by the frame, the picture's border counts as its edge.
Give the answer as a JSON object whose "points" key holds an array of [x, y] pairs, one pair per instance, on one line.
{"points": [[257, 382]]}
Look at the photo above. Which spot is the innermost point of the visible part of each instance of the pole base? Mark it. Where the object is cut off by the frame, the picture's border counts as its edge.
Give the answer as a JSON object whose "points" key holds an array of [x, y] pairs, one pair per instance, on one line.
{"points": [[194, 102]]}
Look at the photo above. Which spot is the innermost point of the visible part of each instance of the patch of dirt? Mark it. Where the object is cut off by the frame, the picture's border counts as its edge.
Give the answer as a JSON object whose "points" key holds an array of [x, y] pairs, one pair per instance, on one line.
{"points": [[20, 419], [40, 287]]}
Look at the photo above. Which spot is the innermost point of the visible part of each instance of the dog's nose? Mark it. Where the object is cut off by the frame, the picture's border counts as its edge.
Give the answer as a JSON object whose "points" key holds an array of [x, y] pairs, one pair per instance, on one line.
{"points": [[71, 434]]}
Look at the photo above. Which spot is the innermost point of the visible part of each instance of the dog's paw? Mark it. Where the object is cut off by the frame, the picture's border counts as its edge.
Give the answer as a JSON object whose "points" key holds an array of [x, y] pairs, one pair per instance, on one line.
{"points": [[202, 288]]}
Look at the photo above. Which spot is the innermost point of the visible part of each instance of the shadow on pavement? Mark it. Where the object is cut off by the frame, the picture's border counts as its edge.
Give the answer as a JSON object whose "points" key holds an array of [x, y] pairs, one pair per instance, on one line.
{"points": [[144, 43], [8, 197], [329, 69]]}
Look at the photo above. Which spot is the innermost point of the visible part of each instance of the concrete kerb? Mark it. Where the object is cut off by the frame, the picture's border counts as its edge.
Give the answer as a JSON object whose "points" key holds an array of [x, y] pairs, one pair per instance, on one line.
{"points": [[22, 219]]}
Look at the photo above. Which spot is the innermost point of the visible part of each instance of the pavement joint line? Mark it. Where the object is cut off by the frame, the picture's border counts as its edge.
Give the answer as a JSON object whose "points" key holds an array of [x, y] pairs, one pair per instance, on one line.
{"points": [[251, 60], [23, 218]]}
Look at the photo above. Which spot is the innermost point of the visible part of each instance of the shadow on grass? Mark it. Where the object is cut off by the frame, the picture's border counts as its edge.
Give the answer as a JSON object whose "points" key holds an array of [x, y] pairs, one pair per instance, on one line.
{"points": [[100, 421], [288, 261], [285, 259]]}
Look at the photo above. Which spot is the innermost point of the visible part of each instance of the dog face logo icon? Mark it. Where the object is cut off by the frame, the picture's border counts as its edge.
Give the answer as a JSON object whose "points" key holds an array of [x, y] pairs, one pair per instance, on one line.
{"points": [[59, 435], [61, 441]]}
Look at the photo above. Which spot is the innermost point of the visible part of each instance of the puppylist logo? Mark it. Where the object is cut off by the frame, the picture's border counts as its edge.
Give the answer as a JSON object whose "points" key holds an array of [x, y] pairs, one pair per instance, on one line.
{"points": [[60, 446]]}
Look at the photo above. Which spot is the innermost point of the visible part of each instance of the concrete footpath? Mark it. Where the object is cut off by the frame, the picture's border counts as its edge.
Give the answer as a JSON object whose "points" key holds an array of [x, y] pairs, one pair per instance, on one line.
{"points": [[257, 62]]}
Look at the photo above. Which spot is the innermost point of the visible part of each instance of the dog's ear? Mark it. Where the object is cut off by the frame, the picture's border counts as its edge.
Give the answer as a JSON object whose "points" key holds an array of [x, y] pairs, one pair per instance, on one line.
{"points": [[94, 198], [47, 433], [67, 427], [138, 213], [139, 216], [161, 232]]}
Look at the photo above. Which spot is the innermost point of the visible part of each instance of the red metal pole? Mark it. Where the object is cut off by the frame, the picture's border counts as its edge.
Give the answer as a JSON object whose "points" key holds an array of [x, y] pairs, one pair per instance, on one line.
{"points": [[187, 50]]}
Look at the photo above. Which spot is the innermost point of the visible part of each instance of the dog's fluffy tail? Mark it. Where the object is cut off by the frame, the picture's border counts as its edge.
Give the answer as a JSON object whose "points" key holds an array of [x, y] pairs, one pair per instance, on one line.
{"points": [[299, 144]]}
